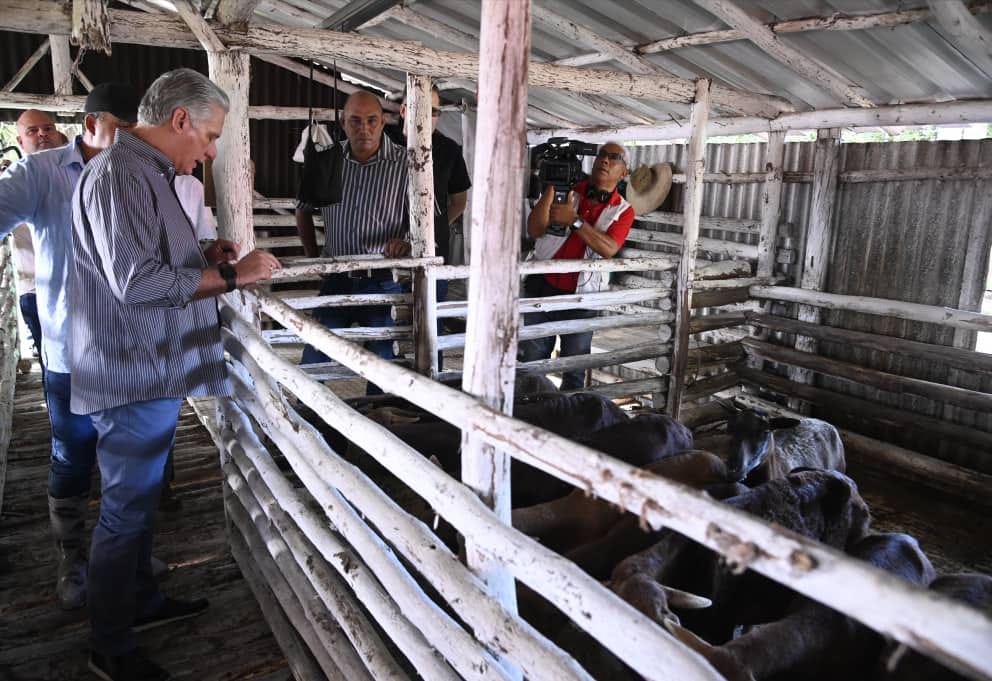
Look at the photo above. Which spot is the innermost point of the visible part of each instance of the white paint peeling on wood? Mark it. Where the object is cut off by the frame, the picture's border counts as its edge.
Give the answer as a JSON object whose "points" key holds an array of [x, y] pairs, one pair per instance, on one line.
{"points": [[91, 25], [692, 208]]}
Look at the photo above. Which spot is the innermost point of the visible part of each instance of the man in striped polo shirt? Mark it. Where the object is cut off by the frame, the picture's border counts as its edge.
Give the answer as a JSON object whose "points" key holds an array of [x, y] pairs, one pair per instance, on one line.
{"points": [[145, 334], [372, 218]]}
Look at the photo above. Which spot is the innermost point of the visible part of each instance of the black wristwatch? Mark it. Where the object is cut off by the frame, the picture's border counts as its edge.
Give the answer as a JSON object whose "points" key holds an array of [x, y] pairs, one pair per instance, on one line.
{"points": [[577, 224], [229, 274]]}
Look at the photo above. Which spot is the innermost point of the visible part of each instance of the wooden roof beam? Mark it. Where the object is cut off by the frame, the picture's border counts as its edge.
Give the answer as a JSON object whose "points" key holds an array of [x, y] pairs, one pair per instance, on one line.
{"points": [[967, 33], [579, 34], [834, 22], [144, 29], [470, 43], [763, 37], [946, 113]]}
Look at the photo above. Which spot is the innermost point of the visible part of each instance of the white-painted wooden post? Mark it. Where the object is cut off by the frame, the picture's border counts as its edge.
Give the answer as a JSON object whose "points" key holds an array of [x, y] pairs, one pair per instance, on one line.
{"points": [[231, 170], [691, 207], [61, 64], [491, 331], [819, 238], [771, 203], [771, 215], [468, 151], [420, 162]]}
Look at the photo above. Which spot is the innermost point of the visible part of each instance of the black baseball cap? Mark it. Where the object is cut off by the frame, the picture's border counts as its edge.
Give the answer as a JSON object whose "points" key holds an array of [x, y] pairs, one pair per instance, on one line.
{"points": [[119, 99]]}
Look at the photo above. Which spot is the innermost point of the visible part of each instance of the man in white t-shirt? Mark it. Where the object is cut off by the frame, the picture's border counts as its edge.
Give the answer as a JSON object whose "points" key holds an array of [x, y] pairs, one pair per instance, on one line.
{"points": [[190, 193]]}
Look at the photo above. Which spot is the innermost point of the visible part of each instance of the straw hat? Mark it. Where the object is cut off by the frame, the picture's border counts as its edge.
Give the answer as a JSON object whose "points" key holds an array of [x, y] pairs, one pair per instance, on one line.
{"points": [[648, 186]]}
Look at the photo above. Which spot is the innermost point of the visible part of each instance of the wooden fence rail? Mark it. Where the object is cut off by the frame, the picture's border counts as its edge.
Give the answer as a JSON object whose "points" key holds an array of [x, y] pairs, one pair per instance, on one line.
{"points": [[954, 634], [9, 355]]}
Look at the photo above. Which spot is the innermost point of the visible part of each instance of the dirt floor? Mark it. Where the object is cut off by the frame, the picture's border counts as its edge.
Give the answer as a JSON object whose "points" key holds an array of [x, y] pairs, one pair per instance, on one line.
{"points": [[39, 642]]}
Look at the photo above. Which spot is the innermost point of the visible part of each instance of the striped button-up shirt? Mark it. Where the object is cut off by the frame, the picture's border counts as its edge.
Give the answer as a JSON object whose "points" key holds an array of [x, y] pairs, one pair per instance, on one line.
{"points": [[136, 333], [37, 190], [373, 207]]}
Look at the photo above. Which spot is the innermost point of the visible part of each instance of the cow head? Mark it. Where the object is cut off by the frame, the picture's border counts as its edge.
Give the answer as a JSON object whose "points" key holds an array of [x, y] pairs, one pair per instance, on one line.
{"points": [[752, 440]]}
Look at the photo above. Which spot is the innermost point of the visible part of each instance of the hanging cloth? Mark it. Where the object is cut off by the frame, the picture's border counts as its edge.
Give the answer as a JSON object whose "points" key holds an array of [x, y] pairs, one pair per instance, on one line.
{"points": [[322, 167]]}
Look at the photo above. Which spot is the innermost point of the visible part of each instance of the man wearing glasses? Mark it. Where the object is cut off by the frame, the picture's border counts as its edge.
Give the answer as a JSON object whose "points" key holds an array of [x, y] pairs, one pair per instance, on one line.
{"points": [[599, 220]]}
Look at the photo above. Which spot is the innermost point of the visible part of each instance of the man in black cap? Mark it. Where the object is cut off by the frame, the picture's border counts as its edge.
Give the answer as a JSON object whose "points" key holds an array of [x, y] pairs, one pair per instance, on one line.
{"points": [[38, 190]]}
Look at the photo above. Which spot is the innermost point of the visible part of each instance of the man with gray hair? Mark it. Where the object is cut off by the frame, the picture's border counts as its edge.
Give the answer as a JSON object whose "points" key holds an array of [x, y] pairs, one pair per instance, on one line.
{"points": [[145, 334]]}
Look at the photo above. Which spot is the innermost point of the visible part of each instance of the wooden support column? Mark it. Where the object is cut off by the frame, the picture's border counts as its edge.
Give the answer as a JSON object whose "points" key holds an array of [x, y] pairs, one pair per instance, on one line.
{"points": [[231, 170], [691, 207], [819, 238], [420, 162], [771, 204], [61, 64], [468, 151], [491, 329], [91, 25], [771, 215]]}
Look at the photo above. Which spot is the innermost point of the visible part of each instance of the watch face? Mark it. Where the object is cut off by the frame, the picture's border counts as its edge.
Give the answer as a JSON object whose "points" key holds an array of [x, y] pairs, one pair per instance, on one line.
{"points": [[577, 224]]}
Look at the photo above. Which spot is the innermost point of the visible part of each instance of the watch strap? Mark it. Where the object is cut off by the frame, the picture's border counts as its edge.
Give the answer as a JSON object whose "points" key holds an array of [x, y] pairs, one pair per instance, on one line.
{"points": [[229, 274]]}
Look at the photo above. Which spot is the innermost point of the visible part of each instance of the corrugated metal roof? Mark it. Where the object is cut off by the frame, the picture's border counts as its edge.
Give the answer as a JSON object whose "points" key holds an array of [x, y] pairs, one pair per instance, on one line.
{"points": [[907, 63]]}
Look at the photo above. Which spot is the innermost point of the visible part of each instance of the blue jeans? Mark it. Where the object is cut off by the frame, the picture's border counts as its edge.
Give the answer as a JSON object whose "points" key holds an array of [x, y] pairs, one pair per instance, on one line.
{"points": [[134, 443], [29, 312], [365, 315], [571, 344], [73, 441]]}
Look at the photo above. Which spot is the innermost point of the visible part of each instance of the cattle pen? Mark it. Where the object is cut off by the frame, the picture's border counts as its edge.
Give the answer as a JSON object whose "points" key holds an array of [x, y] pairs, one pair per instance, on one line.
{"points": [[849, 285]]}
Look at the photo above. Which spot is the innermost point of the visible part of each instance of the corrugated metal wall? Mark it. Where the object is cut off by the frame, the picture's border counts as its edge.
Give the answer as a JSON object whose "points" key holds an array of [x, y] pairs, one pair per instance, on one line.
{"points": [[912, 241], [922, 241], [734, 200]]}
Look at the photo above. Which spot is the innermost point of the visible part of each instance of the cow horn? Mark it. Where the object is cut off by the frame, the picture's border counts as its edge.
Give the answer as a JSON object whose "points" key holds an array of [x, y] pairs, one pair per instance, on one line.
{"points": [[685, 636], [684, 599]]}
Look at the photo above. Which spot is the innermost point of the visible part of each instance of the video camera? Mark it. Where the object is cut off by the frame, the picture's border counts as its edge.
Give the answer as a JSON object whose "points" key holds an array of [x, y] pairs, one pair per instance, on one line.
{"points": [[556, 162]]}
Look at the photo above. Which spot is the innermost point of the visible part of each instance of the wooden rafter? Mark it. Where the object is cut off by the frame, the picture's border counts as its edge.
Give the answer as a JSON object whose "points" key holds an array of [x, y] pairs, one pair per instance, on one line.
{"points": [[584, 36], [967, 33], [834, 22], [27, 66], [945, 113], [143, 29], [198, 25], [470, 43], [814, 71], [320, 76]]}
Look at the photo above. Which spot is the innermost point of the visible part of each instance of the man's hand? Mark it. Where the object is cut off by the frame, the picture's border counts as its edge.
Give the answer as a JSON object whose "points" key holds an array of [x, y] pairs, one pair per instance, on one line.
{"points": [[397, 248], [256, 266], [220, 251], [563, 213]]}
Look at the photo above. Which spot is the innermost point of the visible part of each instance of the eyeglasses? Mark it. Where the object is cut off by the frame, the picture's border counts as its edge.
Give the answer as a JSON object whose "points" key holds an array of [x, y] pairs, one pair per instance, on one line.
{"points": [[612, 155]]}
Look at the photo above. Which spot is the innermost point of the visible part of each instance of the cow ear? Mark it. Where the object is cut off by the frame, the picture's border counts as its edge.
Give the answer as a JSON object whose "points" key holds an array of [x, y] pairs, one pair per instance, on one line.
{"points": [[780, 422]]}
